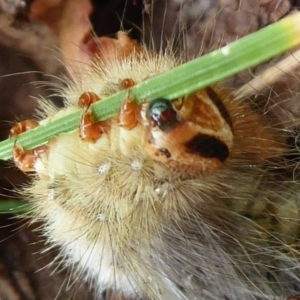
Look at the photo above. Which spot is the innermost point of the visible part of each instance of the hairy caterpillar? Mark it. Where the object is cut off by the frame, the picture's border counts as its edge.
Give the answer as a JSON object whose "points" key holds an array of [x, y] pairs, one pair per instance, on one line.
{"points": [[197, 199]]}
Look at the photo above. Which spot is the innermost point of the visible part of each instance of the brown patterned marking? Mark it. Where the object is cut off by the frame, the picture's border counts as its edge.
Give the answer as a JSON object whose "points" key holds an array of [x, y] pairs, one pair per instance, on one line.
{"points": [[296, 297], [219, 104], [203, 113]]}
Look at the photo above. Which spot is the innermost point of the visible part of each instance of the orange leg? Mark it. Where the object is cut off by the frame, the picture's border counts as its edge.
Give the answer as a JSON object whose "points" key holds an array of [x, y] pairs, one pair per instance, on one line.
{"points": [[127, 83], [25, 160], [128, 117], [22, 127], [87, 99], [89, 129]]}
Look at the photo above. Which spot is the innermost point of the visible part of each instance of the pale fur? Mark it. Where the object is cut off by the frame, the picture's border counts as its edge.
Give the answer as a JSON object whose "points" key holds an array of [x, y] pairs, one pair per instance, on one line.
{"points": [[132, 225]]}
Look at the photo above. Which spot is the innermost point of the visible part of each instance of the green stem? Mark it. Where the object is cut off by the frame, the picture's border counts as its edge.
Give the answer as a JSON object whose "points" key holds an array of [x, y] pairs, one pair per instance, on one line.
{"points": [[13, 206], [190, 77]]}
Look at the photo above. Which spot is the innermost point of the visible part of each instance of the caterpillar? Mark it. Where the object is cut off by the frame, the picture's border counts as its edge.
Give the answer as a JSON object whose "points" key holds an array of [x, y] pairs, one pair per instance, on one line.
{"points": [[191, 199]]}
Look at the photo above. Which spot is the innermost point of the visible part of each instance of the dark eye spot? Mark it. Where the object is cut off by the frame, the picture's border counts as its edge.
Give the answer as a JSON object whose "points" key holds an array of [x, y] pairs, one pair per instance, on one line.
{"points": [[165, 151], [162, 113], [208, 146]]}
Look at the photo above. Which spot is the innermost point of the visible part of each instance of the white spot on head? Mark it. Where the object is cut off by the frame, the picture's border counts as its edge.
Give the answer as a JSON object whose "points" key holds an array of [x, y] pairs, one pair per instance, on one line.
{"points": [[104, 168], [225, 50], [101, 217], [136, 165]]}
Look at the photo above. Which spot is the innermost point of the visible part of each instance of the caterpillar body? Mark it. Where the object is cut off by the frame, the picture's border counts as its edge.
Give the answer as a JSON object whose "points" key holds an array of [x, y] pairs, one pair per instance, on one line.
{"points": [[197, 198]]}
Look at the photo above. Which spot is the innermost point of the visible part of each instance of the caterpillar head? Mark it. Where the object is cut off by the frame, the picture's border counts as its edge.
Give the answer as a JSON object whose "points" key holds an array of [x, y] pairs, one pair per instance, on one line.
{"points": [[189, 134]]}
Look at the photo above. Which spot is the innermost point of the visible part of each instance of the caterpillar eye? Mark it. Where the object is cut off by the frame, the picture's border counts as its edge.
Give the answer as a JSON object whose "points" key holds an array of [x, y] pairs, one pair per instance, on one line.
{"points": [[162, 114]]}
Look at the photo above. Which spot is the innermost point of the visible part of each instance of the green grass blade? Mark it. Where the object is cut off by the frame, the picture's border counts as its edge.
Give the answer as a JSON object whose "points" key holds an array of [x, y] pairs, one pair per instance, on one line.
{"points": [[13, 207], [190, 77]]}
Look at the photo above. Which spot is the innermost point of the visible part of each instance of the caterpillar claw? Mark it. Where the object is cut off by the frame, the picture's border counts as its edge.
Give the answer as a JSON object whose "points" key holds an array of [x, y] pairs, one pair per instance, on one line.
{"points": [[22, 126], [127, 83], [128, 116], [25, 160], [89, 130], [87, 99]]}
